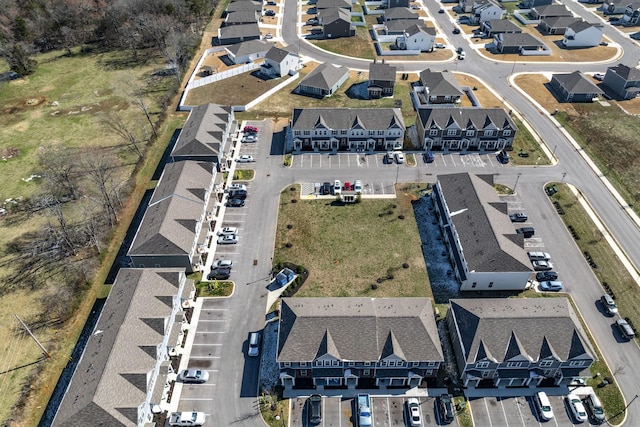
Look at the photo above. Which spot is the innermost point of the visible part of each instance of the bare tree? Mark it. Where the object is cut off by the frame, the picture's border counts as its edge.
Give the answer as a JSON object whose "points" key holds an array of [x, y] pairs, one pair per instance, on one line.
{"points": [[60, 171], [115, 123], [101, 172], [63, 232]]}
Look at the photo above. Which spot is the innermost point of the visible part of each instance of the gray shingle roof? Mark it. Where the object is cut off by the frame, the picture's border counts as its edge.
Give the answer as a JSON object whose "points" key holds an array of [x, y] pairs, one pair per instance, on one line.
{"points": [[400, 13], [331, 15], [440, 83], [519, 39], [420, 27], [576, 83], [559, 21], [203, 133], [325, 76], [488, 239], [249, 47], [382, 71], [399, 24], [276, 54], [504, 25], [169, 223], [628, 73], [327, 4], [347, 118], [110, 381], [360, 329], [552, 10], [242, 30], [241, 16], [240, 5], [532, 327], [580, 25]]}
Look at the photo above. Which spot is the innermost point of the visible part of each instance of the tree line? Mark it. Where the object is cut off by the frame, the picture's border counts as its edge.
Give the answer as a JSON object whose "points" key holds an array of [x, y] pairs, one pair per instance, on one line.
{"points": [[170, 28]]}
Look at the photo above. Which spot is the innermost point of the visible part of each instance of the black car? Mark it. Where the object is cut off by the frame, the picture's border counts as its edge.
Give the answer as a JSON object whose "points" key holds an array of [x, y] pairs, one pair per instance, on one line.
{"points": [[221, 273], [456, 31], [326, 188], [315, 409], [238, 194], [269, 13], [546, 276], [445, 408], [518, 217], [235, 203], [503, 157], [526, 231]]}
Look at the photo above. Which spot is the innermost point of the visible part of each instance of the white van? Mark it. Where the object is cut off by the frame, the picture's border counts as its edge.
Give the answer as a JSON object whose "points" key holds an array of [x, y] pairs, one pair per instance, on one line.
{"points": [[543, 405], [539, 256]]}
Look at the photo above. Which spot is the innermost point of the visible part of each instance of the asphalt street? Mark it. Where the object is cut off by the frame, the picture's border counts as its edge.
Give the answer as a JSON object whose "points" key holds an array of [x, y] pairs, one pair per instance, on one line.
{"points": [[236, 380]]}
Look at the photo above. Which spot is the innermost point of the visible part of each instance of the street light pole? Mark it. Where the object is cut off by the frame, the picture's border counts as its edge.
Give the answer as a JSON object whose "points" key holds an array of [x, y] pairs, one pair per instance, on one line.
{"points": [[516, 184]]}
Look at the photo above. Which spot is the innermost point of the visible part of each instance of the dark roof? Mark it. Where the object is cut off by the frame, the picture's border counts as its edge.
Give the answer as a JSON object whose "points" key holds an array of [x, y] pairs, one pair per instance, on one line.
{"points": [[400, 13], [580, 25], [325, 76], [331, 15], [559, 21], [242, 30], [382, 71], [552, 10], [400, 24], [178, 202], [327, 4], [238, 6], [519, 39], [241, 16], [110, 381], [277, 55], [498, 25], [626, 72], [347, 118], [204, 132], [501, 329], [487, 237], [249, 47], [576, 83], [440, 83], [419, 27], [358, 329]]}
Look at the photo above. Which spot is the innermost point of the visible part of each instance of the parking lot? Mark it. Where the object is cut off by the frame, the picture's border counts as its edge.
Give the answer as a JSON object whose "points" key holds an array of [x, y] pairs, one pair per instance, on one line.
{"points": [[517, 412], [386, 411], [377, 160]]}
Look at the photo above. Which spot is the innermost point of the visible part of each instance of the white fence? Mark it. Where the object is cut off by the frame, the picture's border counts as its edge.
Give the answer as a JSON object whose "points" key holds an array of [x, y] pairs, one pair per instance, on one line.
{"points": [[216, 77]]}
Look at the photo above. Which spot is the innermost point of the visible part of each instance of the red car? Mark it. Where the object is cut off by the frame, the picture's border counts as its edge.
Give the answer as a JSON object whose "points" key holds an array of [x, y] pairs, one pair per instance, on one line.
{"points": [[250, 129]]}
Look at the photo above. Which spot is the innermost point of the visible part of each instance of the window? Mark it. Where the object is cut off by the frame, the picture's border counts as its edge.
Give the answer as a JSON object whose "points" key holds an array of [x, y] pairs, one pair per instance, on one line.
{"points": [[327, 363], [514, 364], [303, 373], [546, 363], [451, 132], [307, 132], [576, 363], [415, 364], [506, 132], [366, 372], [474, 284], [491, 284], [343, 132], [470, 132], [367, 363], [303, 363], [287, 364], [297, 133], [486, 374], [318, 362], [352, 363], [482, 364], [433, 132], [488, 133], [447, 97], [334, 132], [335, 363], [372, 132], [431, 363], [380, 132]]}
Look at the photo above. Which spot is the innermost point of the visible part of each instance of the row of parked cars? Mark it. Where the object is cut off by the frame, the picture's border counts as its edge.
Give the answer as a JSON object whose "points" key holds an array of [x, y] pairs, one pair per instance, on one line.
{"points": [[587, 408], [337, 188]]}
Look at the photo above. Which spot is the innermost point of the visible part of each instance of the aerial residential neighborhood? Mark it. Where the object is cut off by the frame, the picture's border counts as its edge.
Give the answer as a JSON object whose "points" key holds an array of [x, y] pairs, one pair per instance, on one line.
{"points": [[322, 213]]}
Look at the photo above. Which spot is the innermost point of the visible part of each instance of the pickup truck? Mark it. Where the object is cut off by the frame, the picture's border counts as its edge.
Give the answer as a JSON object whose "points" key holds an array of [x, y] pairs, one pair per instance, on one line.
{"points": [[186, 419], [364, 410]]}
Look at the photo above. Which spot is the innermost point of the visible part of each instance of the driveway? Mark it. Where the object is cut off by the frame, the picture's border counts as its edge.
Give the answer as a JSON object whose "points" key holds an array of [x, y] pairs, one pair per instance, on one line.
{"points": [[516, 412]]}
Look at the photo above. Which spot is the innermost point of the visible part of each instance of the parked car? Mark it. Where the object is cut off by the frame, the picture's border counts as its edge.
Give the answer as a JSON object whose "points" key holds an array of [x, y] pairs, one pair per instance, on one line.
{"points": [[312, 21], [551, 286], [441, 10], [337, 187], [445, 408], [542, 404], [518, 217], [399, 157], [609, 305], [545, 276], [245, 158], [357, 186], [389, 157], [237, 187], [326, 188], [438, 45], [526, 231], [220, 273], [238, 194], [542, 265], [271, 3], [250, 129], [598, 76], [413, 411], [193, 376], [315, 409], [225, 263], [429, 157], [503, 157], [625, 329], [235, 203], [594, 408], [269, 12], [576, 408], [456, 31], [187, 419], [254, 344], [539, 256], [249, 138], [225, 231], [230, 239], [268, 36]]}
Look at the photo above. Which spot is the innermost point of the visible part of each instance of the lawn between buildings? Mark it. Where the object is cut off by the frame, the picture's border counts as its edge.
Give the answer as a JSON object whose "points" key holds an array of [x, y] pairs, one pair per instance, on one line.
{"points": [[355, 249]]}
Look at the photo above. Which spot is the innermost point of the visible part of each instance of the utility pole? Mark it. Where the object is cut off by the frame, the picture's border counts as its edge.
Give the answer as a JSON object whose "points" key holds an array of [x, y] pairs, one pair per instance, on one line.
{"points": [[46, 353]]}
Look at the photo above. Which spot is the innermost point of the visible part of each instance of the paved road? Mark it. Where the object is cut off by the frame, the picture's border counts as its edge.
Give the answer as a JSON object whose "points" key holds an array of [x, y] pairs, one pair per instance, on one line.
{"points": [[236, 397]]}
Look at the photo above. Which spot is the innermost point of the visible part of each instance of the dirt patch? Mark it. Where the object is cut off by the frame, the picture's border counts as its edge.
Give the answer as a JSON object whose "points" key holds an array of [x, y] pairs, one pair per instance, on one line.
{"points": [[112, 104], [9, 153], [23, 105], [486, 98]]}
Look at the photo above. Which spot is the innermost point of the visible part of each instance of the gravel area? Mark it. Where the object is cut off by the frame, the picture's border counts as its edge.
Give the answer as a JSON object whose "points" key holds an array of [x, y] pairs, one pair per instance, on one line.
{"points": [[268, 367]]}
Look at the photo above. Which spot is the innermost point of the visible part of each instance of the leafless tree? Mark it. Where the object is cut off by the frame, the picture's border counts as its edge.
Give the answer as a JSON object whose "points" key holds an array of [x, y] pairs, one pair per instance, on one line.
{"points": [[63, 231], [60, 171], [114, 123], [100, 171]]}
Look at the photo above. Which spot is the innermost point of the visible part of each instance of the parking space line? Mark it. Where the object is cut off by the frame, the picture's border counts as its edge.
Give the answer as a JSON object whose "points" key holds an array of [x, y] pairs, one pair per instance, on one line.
{"points": [[517, 400], [388, 413], [195, 398], [211, 320], [504, 413], [204, 357], [208, 343], [488, 413]]}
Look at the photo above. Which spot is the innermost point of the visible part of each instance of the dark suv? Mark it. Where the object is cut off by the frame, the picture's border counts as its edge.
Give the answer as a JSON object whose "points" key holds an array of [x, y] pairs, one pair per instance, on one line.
{"points": [[503, 157], [445, 408], [315, 409], [220, 273]]}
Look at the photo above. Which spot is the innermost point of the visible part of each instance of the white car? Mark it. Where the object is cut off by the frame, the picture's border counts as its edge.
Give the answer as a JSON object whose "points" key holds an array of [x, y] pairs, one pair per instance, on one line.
{"points": [[399, 157], [245, 158], [357, 187], [413, 409], [541, 401], [227, 231], [233, 187], [230, 239], [577, 408], [268, 36], [222, 263], [249, 138], [337, 187], [438, 45]]}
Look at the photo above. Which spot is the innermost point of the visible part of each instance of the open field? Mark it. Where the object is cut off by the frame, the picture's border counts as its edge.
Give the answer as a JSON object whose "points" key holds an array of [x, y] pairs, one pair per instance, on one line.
{"points": [[346, 248], [359, 46]]}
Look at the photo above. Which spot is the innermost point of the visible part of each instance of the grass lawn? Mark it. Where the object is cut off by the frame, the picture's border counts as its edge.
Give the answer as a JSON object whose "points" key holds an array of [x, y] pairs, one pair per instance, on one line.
{"points": [[358, 46], [346, 248], [274, 412], [214, 289]]}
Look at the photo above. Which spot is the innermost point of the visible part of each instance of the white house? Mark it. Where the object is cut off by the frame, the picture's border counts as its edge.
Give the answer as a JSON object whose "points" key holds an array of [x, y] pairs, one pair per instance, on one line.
{"points": [[417, 37], [487, 10], [582, 34], [249, 51], [631, 14], [279, 62]]}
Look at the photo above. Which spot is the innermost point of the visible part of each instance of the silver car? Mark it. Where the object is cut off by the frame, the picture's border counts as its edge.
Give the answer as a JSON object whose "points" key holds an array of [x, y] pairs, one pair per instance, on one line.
{"points": [[230, 239], [193, 376]]}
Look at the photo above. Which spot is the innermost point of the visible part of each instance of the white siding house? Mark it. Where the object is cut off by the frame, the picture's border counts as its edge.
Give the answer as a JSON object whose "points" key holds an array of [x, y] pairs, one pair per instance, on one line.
{"points": [[582, 34]]}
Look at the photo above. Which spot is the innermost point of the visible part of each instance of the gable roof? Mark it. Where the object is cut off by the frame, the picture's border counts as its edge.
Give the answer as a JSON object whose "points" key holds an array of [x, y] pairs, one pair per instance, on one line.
{"points": [[581, 25], [276, 54], [241, 16], [497, 25], [518, 39], [178, 202], [552, 10], [328, 4], [419, 27], [628, 73], [331, 15], [347, 118], [440, 83], [576, 83], [382, 71], [358, 329], [325, 76], [559, 21], [242, 30], [249, 47], [240, 5], [400, 13], [204, 131], [532, 328], [110, 381], [487, 236]]}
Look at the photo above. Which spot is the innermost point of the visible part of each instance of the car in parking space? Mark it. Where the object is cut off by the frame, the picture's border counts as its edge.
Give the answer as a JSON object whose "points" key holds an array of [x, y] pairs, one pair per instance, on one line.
{"points": [[271, 3], [518, 217], [428, 157], [542, 265], [337, 187], [543, 406], [576, 408], [225, 231], [268, 36], [224, 263], [503, 157], [357, 186], [326, 188], [230, 239], [439, 45], [594, 408], [314, 409], [245, 158], [220, 273], [250, 129], [399, 157], [441, 10], [444, 403], [236, 187], [551, 286], [269, 12], [312, 21], [235, 203], [254, 344], [249, 138], [609, 305], [545, 276], [413, 412], [238, 194], [527, 232], [193, 376], [598, 76], [389, 157], [625, 329], [538, 256]]}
